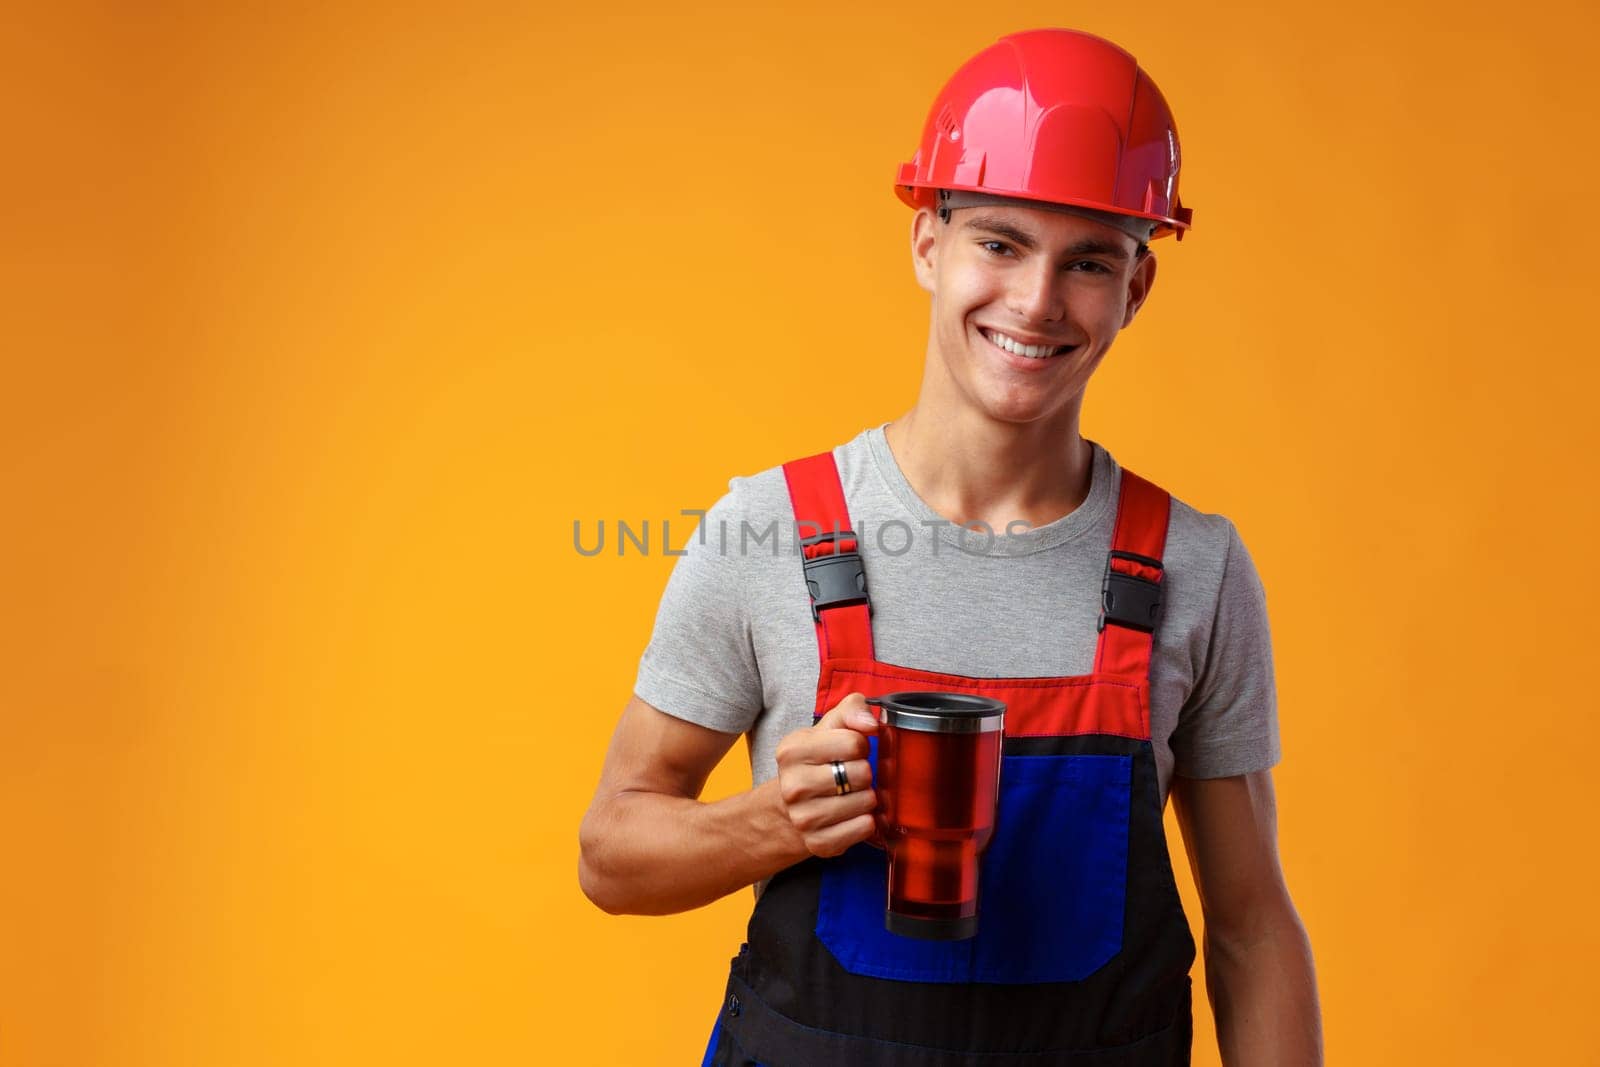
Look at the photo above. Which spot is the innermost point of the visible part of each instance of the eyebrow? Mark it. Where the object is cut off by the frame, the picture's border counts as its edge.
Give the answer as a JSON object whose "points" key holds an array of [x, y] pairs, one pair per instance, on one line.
{"points": [[1000, 227]]}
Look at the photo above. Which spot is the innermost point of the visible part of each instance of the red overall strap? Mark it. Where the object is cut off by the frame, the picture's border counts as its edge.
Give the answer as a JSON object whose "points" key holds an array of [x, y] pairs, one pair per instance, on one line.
{"points": [[1130, 605], [844, 631]]}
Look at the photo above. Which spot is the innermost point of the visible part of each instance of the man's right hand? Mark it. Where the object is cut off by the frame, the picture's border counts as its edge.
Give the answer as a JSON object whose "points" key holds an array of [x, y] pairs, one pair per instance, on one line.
{"points": [[830, 823]]}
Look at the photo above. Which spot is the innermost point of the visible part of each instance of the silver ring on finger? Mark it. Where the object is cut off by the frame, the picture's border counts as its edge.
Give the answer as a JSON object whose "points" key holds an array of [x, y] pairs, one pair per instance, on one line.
{"points": [[841, 780]]}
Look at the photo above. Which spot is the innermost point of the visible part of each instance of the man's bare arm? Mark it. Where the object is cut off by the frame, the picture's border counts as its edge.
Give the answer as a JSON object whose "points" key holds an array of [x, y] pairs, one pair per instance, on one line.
{"points": [[648, 846], [1259, 970]]}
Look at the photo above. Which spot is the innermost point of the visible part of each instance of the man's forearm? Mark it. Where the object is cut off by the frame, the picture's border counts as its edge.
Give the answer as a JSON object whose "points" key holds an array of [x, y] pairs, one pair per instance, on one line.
{"points": [[654, 854], [1263, 993]]}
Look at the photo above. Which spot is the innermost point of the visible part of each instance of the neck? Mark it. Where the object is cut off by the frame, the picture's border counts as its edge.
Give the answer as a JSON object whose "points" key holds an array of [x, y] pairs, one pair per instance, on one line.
{"points": [[969, 468]]}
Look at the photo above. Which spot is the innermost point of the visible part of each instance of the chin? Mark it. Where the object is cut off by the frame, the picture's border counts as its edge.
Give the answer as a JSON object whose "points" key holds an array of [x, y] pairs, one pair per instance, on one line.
{"points": [[1016, 412]]}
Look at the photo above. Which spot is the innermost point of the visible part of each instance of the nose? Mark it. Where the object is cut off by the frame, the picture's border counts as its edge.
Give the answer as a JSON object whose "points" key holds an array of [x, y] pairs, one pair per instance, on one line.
{"points": [[1038, 295]]}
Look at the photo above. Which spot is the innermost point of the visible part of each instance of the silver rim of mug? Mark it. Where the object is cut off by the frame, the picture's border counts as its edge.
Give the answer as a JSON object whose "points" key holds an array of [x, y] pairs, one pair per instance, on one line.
{"points": [[942, 724]]}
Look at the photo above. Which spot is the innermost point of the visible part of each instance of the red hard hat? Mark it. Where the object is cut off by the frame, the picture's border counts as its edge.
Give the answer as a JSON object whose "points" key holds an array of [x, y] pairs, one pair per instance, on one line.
{"points": [[1053, 115]]}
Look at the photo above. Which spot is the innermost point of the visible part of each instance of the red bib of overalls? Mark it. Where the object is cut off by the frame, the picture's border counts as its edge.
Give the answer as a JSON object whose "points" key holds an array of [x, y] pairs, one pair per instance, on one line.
{"points": [[1083, 952]]}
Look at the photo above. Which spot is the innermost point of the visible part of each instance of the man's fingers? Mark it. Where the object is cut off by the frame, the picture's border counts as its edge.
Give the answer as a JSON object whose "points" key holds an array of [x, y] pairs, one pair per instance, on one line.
{"points": [[835, 839], [823, 746], [818, 815], [857, 772], [819, 744], [806, 781], [835, 716], [851, 713], [815, 778]]}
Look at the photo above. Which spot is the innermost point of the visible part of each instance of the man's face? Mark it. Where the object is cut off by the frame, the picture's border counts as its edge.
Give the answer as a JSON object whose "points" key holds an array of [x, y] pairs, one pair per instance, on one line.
{"points": [[1037, 277]]}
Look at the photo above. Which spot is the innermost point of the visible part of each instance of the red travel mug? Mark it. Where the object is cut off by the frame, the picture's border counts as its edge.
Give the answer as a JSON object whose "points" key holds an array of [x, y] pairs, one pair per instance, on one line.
{"points": [[938, 783]]}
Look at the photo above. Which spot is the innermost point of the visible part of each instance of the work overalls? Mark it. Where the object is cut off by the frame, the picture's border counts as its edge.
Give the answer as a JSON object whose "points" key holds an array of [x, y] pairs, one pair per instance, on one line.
{"points": [[1082, 954]]}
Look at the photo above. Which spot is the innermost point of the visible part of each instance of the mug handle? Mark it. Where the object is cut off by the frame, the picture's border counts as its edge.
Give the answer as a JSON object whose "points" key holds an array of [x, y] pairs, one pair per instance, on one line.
{"points": [[876, 840]]}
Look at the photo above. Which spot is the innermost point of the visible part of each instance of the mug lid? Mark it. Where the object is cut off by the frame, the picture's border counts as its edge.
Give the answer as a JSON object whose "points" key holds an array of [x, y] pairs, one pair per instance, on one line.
{"points": [[941, 713], [960, 705]]}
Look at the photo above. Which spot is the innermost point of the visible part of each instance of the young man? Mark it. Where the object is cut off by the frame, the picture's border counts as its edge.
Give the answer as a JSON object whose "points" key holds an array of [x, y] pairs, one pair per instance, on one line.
{"points": [[1126, 632]]}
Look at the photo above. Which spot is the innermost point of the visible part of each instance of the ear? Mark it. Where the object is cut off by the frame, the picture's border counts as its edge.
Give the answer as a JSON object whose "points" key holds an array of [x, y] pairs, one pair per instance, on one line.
{"points": [[925, 246], [1139, 286]]}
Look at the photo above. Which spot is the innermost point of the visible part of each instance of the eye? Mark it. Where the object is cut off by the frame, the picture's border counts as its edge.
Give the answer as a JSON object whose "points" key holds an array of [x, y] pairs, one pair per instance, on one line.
{"points": [[991, 246], [1089, 266]]}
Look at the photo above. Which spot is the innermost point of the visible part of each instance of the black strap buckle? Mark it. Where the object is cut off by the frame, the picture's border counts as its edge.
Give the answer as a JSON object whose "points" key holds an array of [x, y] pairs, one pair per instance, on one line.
{"points": [[1127, 599], [837, 579]]}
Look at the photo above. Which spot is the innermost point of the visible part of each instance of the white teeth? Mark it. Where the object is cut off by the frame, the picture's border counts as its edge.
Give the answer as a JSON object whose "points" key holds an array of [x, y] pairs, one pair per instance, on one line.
{"points": [[1017, 347]]}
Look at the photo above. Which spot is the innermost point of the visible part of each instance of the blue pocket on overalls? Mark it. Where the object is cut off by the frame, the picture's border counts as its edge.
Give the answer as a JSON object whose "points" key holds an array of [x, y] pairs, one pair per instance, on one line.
{"points": [[1052, 887]]}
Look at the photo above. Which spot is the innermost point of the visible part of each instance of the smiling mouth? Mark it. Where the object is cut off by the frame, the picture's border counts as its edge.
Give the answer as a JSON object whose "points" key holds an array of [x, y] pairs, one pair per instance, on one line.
{"points": [[1010, 344]]}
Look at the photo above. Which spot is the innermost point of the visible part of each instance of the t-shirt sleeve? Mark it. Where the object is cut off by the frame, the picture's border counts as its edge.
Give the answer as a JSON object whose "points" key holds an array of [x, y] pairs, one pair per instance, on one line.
{"points": [[700, 664], [1229, 724]]}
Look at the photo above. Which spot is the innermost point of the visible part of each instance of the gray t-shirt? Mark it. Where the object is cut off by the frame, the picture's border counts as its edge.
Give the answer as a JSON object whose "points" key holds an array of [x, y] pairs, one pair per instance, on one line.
{"points": [[734, 648]]}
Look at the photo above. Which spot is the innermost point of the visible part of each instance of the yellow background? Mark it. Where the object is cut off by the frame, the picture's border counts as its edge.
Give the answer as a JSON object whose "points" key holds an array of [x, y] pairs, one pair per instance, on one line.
{"points": [[322, 326]]}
